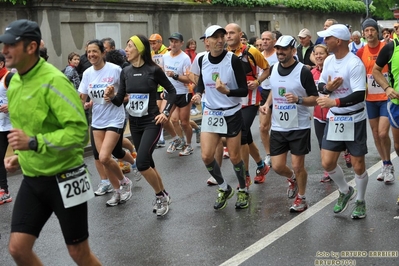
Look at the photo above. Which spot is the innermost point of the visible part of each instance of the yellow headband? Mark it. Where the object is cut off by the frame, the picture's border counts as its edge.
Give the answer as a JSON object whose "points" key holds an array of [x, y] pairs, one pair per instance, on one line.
{"points": [[138, 43]]}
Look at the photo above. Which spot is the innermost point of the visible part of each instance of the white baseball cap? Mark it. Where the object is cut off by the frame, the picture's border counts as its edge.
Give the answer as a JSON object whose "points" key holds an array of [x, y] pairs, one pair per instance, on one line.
{"points": [[286, 41], [339, 31], [212, 29]]}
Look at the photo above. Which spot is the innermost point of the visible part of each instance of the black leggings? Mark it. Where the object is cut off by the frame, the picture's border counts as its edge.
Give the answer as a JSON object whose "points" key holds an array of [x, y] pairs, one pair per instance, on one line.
{"points": [[3, 151], [248, 116], [145, 135], [319, 130]]}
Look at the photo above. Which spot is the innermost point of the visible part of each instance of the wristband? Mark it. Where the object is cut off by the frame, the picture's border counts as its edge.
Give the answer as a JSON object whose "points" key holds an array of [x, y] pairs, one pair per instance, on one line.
{"points": [[337, 102], [387, 88], [257, 81]]}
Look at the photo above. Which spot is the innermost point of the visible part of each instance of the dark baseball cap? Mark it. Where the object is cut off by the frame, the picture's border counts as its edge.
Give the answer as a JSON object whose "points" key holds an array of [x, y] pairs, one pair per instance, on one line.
{"points": [[176, 36], [22, 28]]}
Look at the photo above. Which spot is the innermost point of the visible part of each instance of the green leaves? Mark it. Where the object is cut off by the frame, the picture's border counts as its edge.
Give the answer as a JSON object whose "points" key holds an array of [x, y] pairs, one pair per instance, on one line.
{"points": [[351, 6], [14, 2]]}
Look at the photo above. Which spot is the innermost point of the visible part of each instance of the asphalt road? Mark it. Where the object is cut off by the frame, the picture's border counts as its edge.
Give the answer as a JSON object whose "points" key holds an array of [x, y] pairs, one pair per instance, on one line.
{"points": [[266, 233]]}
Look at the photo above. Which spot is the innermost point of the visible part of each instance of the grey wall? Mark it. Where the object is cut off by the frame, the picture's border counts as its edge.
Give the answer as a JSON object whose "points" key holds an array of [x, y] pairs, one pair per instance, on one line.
{"points": [[67, 26]]}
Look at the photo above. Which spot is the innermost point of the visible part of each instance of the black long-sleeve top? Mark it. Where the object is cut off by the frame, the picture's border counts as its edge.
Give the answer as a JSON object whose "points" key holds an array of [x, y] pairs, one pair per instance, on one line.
{"points": [[145, 79]]}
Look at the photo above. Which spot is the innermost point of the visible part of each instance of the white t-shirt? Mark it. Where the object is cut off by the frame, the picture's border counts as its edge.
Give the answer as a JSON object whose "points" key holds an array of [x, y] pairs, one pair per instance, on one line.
{"points": [[180, 64], [272, 59], [195, 69], [5, 124], [94, 82], [351, 69]]}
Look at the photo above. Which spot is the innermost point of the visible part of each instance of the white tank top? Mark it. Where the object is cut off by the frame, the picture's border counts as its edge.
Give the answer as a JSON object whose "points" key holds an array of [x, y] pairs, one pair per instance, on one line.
{"points": [[5, 124]]}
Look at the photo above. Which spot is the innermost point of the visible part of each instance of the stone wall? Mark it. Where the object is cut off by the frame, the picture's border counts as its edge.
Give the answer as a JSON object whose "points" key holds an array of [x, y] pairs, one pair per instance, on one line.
{"points": [[66, 26]]}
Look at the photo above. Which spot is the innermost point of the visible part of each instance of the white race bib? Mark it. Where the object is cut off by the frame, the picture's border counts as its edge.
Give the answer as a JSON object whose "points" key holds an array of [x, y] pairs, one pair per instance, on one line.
{"points": [[372, 86], [285, 115], [341, 128], [97, 94], [138, 104], [75, 186], [213, 121]]}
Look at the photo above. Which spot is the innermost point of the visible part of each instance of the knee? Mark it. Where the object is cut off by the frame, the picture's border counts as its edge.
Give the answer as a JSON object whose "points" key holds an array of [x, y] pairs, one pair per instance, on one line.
{"points": [[328, 165], [207, 158], [16, 251], [383, 135], [78, 252], [105, 160]]}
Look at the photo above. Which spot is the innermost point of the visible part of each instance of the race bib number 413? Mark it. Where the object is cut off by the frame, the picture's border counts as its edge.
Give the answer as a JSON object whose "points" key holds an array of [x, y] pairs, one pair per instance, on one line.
{"points": [[75, 186]]}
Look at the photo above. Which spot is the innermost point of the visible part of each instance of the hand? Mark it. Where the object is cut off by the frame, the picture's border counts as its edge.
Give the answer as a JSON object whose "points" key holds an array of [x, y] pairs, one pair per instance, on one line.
{"points": [[391, 93], [160, 119], [252, 85], [4, 108], [109, 93], [88, 105], [291, 98], [11, 163], [18, 140], [264, 108], [326, 101], [170, 73], [221, 87], [196, 99], [332, 85]]}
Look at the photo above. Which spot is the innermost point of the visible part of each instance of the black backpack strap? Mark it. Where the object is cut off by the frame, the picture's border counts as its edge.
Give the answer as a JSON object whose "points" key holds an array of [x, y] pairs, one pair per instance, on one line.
{"points": [[7, 79]]}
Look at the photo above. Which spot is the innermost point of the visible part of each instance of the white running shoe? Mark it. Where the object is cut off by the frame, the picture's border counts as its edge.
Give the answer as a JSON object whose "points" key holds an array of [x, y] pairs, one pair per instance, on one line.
{"points": [[115, 200], [211, 181], [389, 174], [268, 160], [126, 191]]}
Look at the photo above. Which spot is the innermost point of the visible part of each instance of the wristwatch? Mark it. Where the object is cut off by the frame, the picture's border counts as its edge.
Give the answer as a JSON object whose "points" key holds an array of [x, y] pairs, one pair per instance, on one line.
{"points": [[166, 113], [300, 100], [175, 76], [33, 143]]}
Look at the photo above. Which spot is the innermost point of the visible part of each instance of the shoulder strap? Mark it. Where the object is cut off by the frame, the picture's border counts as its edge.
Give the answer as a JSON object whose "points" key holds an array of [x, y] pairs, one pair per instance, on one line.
{"points": [[200, 61]]}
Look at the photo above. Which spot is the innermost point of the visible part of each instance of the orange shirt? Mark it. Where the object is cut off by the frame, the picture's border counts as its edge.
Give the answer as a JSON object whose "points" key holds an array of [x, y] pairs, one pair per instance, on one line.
{"points": [[368, 56]]}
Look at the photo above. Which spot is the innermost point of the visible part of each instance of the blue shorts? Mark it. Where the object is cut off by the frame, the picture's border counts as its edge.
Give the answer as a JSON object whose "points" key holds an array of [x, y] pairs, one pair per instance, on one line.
{"points": [[393, 114], [376, 109]]}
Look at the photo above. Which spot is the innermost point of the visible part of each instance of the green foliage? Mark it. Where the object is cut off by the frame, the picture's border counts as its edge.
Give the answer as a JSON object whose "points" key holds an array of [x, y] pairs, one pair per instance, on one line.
{"points": [[14, 2], [350, 6], [382, 8]]}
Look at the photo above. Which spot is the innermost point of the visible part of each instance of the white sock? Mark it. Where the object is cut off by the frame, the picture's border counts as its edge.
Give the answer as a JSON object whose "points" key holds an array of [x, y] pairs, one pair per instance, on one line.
{"points": [[223, 186], [125, 180], [161, 137], [337, 175], [361, 185], [106, 181]]}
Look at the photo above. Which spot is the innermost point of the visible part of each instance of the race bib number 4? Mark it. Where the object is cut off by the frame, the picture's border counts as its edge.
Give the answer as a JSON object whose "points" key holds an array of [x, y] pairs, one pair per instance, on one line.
{"points": [[75, 186], [138, 104], [341, 128], [285, 115], [213, 121]]}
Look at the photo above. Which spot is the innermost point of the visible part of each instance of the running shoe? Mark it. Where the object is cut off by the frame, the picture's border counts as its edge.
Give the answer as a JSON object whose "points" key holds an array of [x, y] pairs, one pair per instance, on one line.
{"points": [[389, 174], [126, 191], [162, 205], [343, 200], [242, 200], [154, 209], [115, 200], [198, 135], [348, 160], [326, 178], [181, 145], [225, 153], [222, 198], [186, 151], [125, 167], [173, 144], [211, 181], [136, 173], [292, 190], [359, 212], [193, 112], [268, 160], [5, 197], [103, 188], [248, 182], [381, 175], [261, 174], [160, 144], [299, 205]]}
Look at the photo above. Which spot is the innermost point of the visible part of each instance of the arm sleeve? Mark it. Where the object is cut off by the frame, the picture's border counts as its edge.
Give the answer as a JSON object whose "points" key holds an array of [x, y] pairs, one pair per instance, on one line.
{"points": [[308, 82], [241, 78], [384, 55], [119, 97], [352, 99], [200, 85], [163, 80]]}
